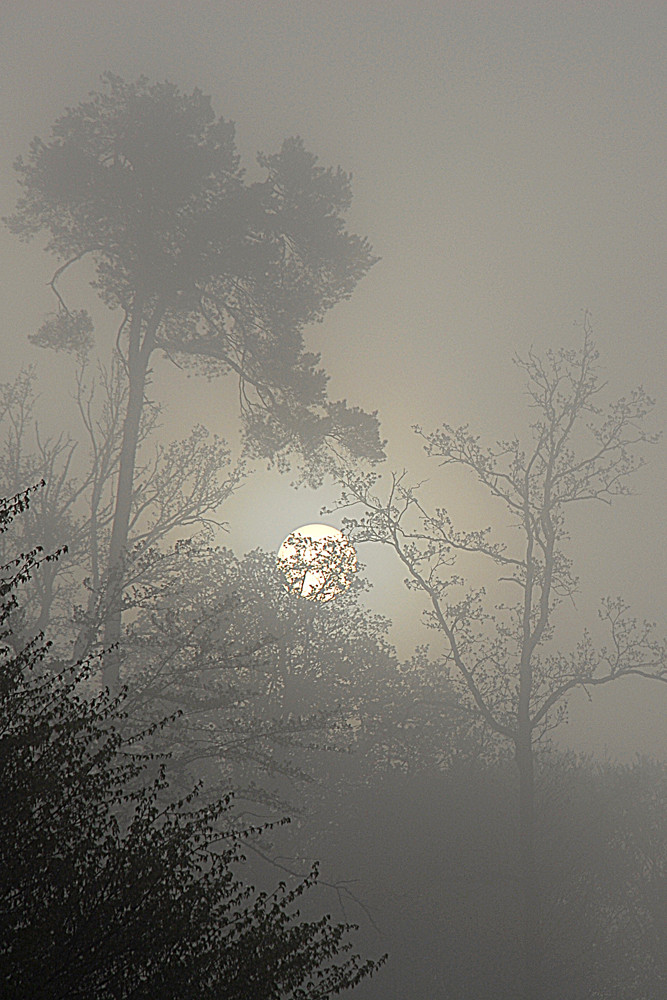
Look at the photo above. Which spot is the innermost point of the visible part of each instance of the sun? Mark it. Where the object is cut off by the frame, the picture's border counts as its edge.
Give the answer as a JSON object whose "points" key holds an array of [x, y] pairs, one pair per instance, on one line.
{"points": [[318, 562]]}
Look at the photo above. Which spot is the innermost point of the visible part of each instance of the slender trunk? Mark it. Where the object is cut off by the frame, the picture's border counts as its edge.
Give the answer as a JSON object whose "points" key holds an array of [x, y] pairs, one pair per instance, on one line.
{"points": [[120, 528], [46, 597], [87, 633], [530, 892], [139, 352], [281, 668], [288, 695]]}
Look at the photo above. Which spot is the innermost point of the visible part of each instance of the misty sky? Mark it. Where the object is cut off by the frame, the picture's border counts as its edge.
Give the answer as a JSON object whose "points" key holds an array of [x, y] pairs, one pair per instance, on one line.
{"points": [[508, 166]]}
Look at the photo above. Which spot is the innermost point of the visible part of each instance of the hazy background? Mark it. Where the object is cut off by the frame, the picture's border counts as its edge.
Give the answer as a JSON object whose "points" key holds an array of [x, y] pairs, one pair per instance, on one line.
{"points": [[508, 166]]}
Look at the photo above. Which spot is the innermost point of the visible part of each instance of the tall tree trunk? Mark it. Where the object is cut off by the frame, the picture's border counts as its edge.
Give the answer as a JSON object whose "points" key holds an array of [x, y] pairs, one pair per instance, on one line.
{"points": [[530, 892], [139, 352]]}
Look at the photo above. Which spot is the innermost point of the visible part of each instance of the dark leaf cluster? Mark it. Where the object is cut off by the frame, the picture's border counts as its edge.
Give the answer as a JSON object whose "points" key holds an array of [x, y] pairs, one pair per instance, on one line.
{"points": [[108, 888]]}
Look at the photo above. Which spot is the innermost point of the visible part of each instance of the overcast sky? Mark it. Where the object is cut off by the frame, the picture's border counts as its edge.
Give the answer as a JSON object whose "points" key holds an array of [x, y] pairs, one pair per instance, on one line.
{"points": [[509, 169]]}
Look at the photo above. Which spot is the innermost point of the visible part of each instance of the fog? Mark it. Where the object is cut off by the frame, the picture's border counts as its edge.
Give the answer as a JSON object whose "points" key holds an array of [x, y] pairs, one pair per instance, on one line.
{"points": [[507, 169]]}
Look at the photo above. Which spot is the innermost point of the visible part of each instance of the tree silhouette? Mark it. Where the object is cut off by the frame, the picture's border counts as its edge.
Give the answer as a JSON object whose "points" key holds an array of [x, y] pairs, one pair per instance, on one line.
{"points": [[147, 183], [267, 684], [176, 487], [505, 657], [107, 889]]}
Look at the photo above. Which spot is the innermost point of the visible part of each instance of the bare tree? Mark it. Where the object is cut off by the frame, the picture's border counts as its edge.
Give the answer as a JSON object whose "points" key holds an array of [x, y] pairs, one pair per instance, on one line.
{"points": [[179, 486], [506, 656]]}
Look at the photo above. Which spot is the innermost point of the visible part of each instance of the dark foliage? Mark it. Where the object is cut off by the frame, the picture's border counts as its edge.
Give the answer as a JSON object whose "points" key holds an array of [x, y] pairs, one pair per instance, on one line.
{"points": [[108, 889]]}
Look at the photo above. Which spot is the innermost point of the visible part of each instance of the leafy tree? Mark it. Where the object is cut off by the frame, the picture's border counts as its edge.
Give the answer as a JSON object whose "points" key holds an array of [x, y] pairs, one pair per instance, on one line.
{"points": [[147, 182], [317, 569], [505, 657], [105, 890], [266, 681]]}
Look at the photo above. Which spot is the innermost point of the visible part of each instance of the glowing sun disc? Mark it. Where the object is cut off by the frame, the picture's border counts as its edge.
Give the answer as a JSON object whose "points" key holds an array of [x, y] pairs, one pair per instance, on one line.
{"points": [[318, 562]]}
